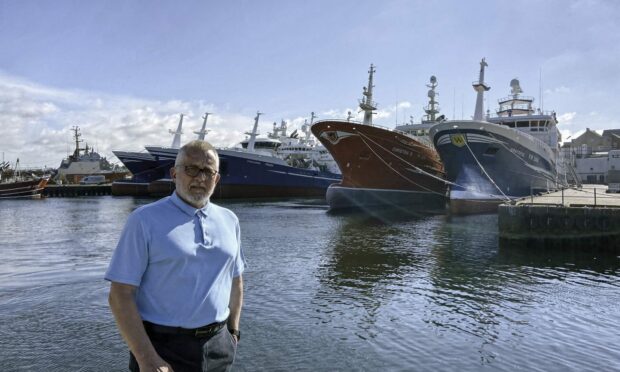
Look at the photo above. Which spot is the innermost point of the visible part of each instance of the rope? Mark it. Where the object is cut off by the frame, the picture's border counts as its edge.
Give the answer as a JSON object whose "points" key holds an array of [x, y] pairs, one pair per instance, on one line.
{"points": [[405, 161], [420, 170], [483, 170], [397, 172]]}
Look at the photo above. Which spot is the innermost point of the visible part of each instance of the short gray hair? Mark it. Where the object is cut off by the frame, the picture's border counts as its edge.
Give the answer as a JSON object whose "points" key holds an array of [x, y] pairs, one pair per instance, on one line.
{"points": [[198, 146]]}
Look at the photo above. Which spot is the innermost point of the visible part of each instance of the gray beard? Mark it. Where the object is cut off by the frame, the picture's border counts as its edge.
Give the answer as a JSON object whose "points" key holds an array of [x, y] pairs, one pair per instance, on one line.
{"points": [[196, 199]]}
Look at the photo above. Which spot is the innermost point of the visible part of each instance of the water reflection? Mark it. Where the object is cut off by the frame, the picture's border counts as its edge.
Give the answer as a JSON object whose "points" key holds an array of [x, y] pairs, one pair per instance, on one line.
{"points": [[600, 259], [468, 297], [379, 292], [367, 262]]}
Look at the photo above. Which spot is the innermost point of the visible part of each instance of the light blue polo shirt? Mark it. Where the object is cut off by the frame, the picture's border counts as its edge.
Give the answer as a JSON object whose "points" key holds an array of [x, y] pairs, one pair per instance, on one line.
{"points": [[182, 260]]}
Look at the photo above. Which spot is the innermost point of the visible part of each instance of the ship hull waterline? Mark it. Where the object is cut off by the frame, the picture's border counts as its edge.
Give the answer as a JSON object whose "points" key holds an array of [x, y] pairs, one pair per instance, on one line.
{"points": [[247, 175], [165, 187], [341, 198]]}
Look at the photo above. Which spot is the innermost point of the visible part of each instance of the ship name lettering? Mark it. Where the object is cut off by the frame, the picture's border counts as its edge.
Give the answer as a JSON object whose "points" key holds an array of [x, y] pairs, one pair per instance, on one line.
{"points": [[517, 152], [401, 151]]}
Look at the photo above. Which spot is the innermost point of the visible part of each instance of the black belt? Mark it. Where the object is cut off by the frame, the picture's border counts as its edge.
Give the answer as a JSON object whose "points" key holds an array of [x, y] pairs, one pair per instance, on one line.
{"points": [[204, 331]]}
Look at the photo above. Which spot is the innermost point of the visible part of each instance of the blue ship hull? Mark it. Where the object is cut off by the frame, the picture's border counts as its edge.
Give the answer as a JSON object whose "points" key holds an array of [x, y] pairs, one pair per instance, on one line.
{"points": [[142, 166], [489, 164], [247, 175]]}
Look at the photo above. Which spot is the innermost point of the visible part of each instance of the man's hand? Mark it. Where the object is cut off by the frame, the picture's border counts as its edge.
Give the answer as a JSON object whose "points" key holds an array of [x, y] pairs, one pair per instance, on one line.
{"points": [[155, 364], [123, 306]]}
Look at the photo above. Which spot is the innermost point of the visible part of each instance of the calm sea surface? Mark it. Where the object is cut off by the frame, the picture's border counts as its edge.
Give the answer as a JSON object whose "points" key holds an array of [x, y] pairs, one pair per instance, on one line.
{"points": [[323, 292]]}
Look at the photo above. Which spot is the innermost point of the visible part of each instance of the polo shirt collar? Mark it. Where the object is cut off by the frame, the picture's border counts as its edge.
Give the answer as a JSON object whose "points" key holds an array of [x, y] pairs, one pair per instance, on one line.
{"points": [[188, 209]]}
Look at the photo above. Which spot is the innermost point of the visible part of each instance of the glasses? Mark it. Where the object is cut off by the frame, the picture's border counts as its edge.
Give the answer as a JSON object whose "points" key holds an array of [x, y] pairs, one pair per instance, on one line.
{"points": [[194, 171]]}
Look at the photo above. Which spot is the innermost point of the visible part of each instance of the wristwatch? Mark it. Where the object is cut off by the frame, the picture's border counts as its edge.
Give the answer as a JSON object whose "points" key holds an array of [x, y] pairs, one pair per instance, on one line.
{"points": [[235, 332]]}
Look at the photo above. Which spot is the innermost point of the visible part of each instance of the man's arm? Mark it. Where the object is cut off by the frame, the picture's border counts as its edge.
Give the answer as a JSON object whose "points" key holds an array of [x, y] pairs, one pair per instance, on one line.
{"points": [[122, 301], [235, 303]]}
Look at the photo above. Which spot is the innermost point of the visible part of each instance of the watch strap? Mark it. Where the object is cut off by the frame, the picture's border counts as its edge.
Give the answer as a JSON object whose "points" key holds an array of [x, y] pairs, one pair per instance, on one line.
{"points": [[235, 332]]}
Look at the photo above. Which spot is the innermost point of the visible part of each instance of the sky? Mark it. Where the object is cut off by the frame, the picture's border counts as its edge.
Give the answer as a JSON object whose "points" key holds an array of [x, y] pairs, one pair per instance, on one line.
{"points": [[123, 71]]}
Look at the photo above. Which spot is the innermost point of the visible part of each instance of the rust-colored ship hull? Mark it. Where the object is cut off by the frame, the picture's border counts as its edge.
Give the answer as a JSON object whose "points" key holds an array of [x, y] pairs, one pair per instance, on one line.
{"points": [[23, 189], [381, 168]]}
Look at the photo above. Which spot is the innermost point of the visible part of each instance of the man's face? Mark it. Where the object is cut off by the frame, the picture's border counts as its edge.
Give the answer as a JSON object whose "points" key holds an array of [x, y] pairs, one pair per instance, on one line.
{"points": [[197, 189]]}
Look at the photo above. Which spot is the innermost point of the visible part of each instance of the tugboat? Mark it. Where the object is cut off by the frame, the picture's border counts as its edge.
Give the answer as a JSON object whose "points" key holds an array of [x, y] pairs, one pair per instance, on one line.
{"points": [[13, 185], [383, 167], [498, 159]]}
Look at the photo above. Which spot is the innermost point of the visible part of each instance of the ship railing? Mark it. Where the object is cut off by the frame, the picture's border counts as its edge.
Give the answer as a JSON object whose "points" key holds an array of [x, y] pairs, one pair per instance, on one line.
{"points": [[518, 98], [517, 107], [372, 125], [436, 109], [366, 102], [592, 197], [536, 112], [477, 82]]}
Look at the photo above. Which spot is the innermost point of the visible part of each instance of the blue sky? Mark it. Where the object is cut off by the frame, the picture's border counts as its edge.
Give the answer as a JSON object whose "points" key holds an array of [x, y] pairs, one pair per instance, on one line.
{"points": [[124, 70]]}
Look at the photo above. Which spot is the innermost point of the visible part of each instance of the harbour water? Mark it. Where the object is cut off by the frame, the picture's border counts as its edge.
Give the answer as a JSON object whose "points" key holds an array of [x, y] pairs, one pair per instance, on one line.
{"points": [[323, 292]]}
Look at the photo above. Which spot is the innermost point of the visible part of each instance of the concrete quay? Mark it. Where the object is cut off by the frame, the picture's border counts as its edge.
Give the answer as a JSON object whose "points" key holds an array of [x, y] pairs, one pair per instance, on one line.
{"points": [[587, 216], [76, 190]]}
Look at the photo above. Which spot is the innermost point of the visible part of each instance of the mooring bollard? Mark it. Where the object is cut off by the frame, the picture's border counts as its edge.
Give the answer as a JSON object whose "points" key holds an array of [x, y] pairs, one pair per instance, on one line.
{"points": [[595, 196]]}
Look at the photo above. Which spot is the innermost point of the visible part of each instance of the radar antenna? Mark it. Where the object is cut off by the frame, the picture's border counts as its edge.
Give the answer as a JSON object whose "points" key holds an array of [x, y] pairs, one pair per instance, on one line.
{"points": [[515, 88], [432, 109]]}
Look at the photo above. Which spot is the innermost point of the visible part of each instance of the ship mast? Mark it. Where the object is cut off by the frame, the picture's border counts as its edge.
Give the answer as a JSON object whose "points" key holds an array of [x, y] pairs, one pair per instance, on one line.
{"points": [[306, 127], [203, 131], [254, 132], [480, 87], [77, 135], [431, 110], [176, 141], [366, 103]]}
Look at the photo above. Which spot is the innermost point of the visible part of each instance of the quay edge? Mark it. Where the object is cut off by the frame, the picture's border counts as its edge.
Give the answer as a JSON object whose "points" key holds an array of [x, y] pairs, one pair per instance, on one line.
{"points": [[563, 225], [76, 190]]}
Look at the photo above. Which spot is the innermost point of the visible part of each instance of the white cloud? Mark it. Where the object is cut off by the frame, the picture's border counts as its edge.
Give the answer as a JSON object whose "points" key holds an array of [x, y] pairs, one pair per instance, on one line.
{"points": [[558, 90], [37, 121], [567, 118]]}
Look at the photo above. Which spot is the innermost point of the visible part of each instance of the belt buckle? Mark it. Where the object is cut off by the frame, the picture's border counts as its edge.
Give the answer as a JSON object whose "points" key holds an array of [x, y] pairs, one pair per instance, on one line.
{"points": [[202, 332], [205, 331]]}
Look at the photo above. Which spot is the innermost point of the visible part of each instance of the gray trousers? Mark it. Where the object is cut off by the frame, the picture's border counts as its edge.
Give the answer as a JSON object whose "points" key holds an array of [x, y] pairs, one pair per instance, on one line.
{"points": [[187, 353]]}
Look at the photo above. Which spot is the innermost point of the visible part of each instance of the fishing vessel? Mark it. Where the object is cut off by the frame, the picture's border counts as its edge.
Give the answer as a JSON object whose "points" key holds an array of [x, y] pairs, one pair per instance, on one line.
{"points": [[495, 159], [302, 151], [14, 185], [256, 169], [144, 167], [382, 167]]}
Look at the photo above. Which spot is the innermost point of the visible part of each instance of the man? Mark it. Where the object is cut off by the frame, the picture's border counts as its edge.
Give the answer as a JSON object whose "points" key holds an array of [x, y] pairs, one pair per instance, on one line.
{"points": [[176, 287]]}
